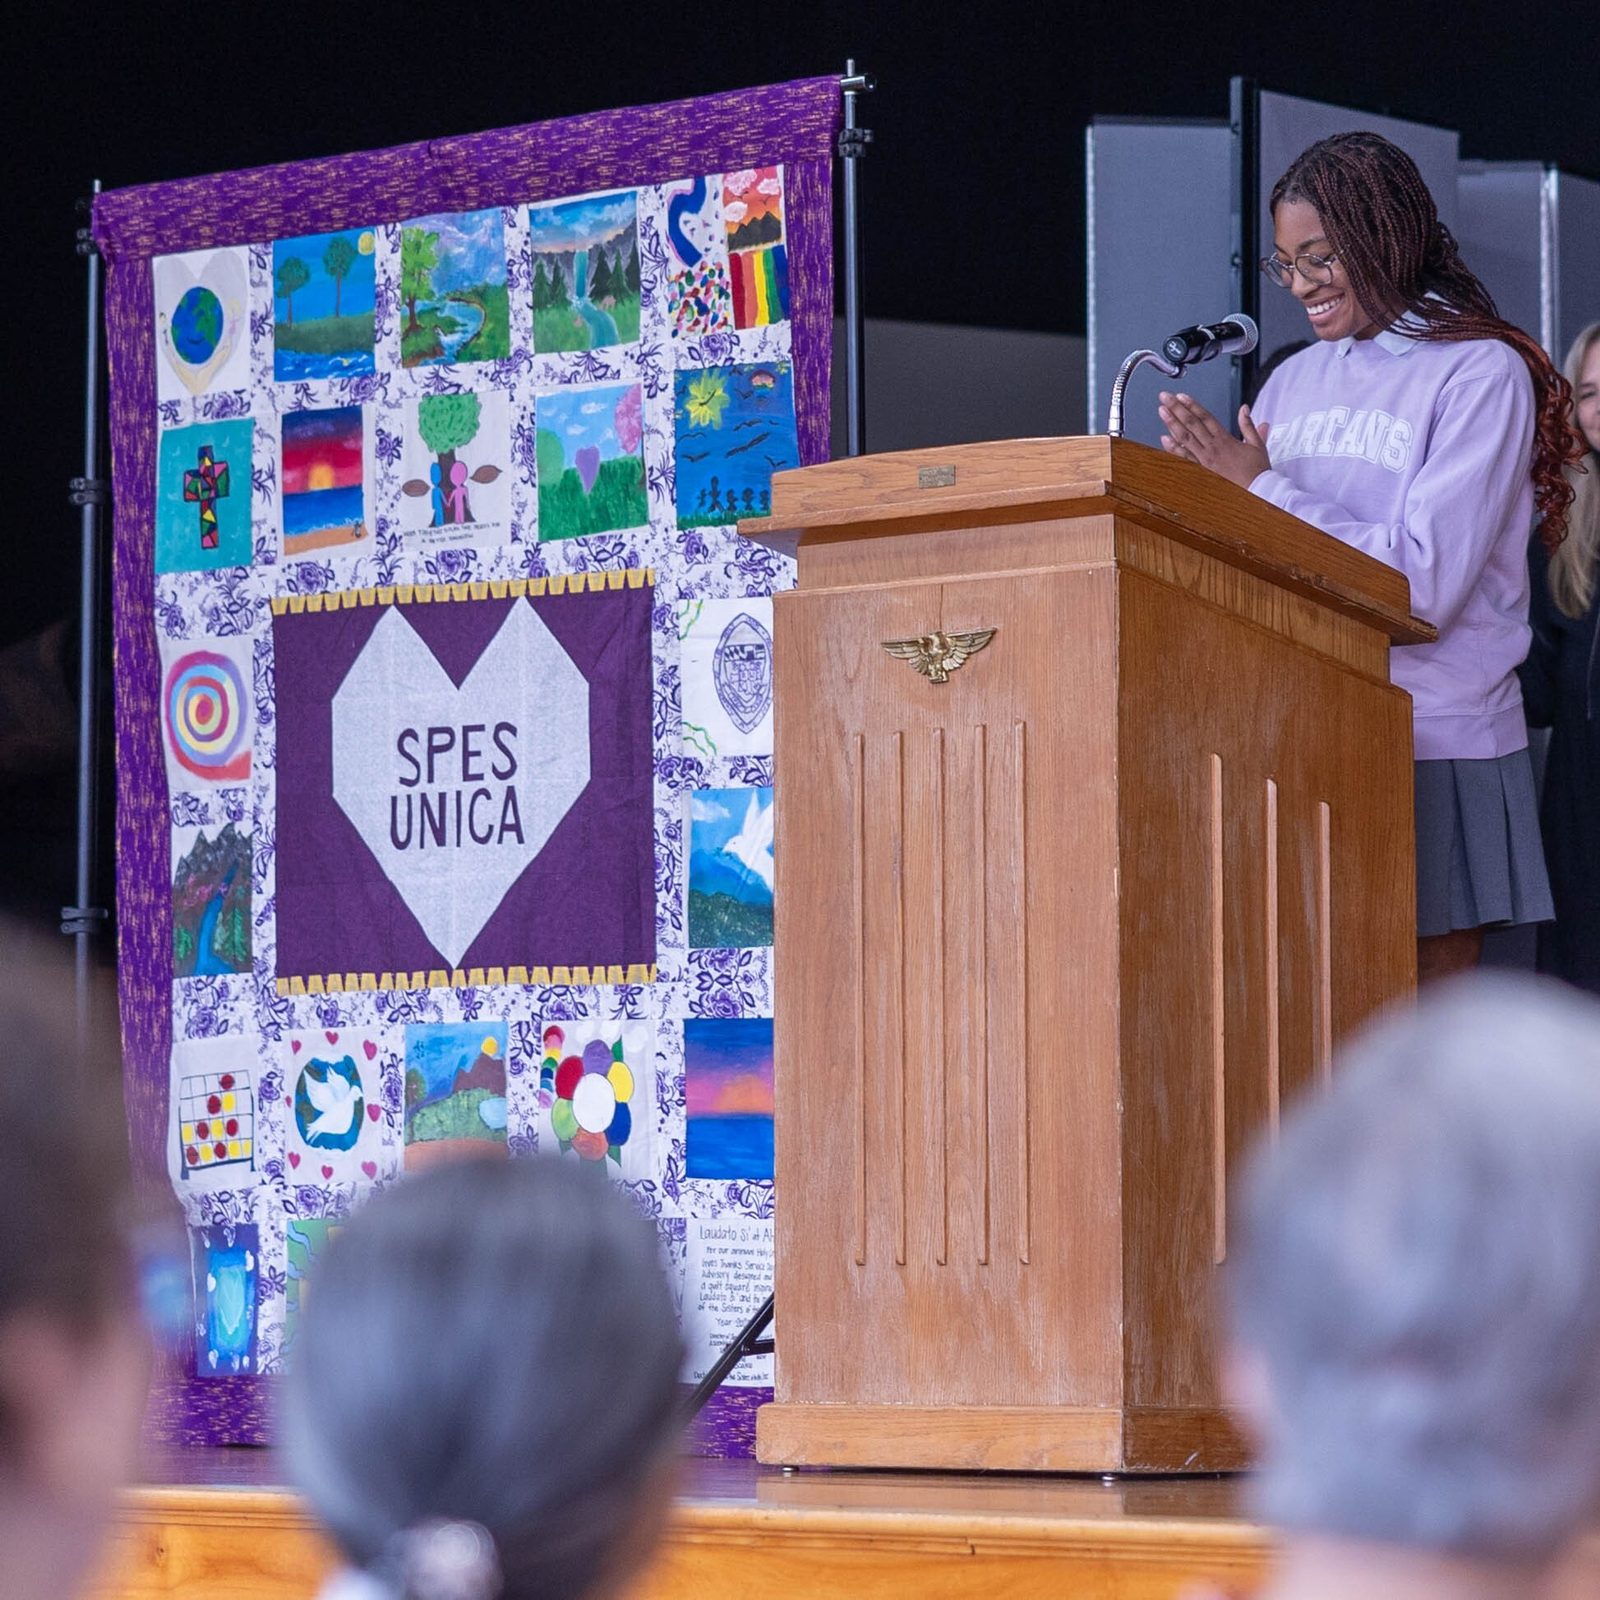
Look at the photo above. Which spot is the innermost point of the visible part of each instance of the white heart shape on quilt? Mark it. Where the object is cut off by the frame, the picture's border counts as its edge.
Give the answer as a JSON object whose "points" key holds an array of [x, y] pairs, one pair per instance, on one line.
{"points": [[396, 687], [225, 276]]}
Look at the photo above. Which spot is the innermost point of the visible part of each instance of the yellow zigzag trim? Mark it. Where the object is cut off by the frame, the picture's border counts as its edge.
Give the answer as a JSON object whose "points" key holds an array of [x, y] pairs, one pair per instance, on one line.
{"points": [[409, 594], [471, 978]]}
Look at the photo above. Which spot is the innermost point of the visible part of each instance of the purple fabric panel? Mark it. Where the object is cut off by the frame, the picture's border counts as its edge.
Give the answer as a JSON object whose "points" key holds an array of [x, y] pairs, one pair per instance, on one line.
{"points": [[727, 1426], [144, 840], [336, 910], [192, 1412], [809, 195], [792, 122]]}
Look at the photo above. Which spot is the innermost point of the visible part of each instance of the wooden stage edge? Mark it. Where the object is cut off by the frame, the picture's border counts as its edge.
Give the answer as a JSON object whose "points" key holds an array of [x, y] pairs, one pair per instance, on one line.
{"points": [[218, 1525]]}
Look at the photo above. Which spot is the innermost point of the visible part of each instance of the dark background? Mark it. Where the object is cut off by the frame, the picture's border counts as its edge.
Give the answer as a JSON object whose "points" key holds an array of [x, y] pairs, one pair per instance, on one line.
{"points": [[973, 190]]}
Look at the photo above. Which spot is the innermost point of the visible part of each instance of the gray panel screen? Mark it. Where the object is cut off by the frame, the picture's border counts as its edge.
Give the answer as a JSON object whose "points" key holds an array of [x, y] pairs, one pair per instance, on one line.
{"points": [[1286, 125], [1500, 207], [1577, 257], [1159, 245]]}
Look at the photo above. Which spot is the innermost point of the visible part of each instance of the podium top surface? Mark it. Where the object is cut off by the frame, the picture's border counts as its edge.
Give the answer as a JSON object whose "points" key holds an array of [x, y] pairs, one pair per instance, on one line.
{"points": [[864, 497]]}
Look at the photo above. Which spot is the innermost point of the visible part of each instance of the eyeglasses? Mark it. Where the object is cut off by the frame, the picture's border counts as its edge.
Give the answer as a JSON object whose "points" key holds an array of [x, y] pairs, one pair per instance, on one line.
{"points": [[1314, 269]]}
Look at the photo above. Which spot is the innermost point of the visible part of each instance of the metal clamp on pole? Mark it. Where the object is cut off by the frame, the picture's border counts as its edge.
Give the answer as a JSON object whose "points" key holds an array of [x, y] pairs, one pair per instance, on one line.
{"points": [[852, 86], [89, 491], [83, 238], [83, 920]]}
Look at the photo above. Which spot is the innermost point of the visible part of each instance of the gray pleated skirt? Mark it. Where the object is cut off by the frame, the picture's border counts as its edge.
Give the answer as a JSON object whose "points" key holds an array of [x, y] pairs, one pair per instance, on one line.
{"points": [[1479, 856]]}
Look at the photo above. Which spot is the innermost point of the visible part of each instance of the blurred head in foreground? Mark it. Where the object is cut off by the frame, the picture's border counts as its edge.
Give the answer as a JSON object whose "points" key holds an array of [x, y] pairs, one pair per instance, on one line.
{"points": [[482, 1400], [1416, 1291], [73, 1354]]}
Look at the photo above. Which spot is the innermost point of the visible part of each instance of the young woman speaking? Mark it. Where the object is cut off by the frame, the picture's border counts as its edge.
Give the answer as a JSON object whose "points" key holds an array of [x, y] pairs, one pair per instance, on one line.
{"points": [[1422, 428]]}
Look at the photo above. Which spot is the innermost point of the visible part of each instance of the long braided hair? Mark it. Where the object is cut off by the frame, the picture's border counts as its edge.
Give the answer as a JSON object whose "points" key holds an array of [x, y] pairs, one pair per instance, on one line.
{"points": [[1385, 229]]}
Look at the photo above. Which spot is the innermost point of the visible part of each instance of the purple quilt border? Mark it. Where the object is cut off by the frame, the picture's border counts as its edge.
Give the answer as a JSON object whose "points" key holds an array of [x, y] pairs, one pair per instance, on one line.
{"points": [[727, 1426], [193, 1415], [793, 123]]}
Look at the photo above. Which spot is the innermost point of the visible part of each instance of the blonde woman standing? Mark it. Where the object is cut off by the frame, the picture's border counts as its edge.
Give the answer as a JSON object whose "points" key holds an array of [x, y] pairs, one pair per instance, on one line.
{"points": [[1561, 688]]}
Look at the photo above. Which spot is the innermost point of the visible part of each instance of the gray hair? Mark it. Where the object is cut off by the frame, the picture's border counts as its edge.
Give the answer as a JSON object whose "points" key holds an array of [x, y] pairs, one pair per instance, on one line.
{"points": [[1419, 1275], [490, 1345]]}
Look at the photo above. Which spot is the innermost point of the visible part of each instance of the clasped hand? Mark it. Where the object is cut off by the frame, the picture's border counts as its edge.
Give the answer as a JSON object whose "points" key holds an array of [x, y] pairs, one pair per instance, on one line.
{"points": [[1196, 435]]}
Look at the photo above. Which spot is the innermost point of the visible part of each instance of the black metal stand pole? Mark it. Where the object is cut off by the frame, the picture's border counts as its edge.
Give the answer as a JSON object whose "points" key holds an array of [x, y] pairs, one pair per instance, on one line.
{"points": [[853, 142], [1244, 115], [81, 919], [748, 1342]]}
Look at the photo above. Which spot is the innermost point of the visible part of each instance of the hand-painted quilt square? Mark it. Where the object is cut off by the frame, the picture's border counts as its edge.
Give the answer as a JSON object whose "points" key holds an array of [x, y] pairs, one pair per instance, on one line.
{"points": [[590, 464], [325, 480], [214, 1139], [227, 1293], [331, 1093], [699, 300], [305, 1240], [585, 272], [727, 1063], [212, 915], [597, 1090], [758, 260], [207, 711], [466, 783], [456, 461], [726, 676], [202, 303], [734, 427], [324, 289], [203, 479], [455, 304], [455, 1091], [730, 868]]}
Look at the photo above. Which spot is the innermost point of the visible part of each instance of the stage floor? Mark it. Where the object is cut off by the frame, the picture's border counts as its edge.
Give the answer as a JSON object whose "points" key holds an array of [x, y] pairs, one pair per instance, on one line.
{"points": [[213, 1524]]}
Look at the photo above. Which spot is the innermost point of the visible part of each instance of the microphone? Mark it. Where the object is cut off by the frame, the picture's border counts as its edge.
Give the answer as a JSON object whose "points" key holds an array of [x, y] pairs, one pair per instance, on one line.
{"points": [[1235, 335]]}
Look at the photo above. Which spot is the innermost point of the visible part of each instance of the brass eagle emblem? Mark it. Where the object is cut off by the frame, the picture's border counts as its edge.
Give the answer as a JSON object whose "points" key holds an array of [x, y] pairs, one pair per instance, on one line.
{"points": [[937, 655]]}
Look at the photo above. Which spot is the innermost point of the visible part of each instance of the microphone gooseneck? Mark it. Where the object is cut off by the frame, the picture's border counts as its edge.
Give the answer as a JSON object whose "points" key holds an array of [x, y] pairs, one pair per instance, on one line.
{"points": [[1119, 387]]}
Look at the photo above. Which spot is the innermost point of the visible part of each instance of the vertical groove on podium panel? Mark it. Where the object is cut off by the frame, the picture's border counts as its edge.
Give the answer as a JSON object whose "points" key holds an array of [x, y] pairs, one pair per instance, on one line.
{"points": [[1219, 1060], [897, 864], [941, 1045], [1322, 1048], [1274, 960], [1025, 1165], [858, 808], [980, 855]]}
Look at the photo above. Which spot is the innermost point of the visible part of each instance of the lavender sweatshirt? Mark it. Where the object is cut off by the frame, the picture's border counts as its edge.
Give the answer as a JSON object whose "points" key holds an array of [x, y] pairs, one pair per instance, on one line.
{"points": [[1419, 454]]}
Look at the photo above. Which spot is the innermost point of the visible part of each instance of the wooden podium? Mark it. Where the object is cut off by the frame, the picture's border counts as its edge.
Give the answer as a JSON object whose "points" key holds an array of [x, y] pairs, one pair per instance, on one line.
{"points": [[1057, 936]]}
